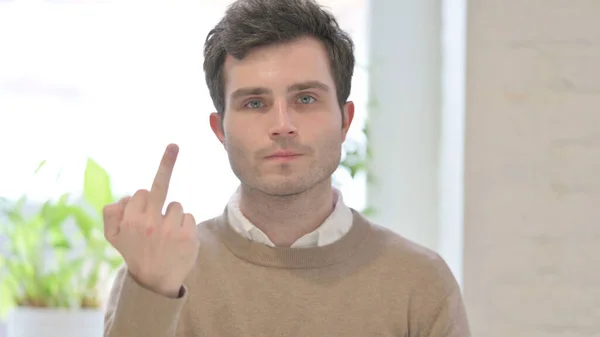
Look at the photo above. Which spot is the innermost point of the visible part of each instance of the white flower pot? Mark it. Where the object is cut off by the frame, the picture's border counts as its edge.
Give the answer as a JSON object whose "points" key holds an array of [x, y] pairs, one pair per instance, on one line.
{"points": [[45, 322]]}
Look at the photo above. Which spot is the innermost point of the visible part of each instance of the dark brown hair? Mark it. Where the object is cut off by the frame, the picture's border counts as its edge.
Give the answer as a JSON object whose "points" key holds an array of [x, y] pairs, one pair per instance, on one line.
{"points": [[249, 24]]}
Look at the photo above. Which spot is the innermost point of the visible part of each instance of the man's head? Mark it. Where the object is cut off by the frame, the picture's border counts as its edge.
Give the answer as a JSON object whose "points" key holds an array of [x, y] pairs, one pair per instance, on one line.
{"points": [[279, 73]]}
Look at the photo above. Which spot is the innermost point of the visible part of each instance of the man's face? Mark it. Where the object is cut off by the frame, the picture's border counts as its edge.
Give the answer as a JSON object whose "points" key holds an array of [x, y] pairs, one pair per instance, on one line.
{"points": [[282, 127]]}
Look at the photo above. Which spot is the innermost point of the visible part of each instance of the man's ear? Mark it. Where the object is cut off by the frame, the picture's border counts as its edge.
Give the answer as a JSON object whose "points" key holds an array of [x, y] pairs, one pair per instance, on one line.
{"points": [[348, 114], [216, 124]]}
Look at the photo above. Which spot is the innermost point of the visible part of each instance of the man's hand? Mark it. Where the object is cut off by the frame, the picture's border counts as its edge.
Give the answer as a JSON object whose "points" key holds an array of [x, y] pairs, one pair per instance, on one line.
{"points": [[159, 250]]}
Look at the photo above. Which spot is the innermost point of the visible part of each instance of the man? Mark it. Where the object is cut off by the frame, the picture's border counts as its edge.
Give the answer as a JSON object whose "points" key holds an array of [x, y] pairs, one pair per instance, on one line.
{"points": [[287, 257]]}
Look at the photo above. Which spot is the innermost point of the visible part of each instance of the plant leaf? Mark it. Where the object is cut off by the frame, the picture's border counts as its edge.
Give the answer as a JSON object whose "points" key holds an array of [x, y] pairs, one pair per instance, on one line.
{"points": [[71, 280], [40, 165], [55, 214], [83, 221], [7, 299], [96, 187], [115, 262]]}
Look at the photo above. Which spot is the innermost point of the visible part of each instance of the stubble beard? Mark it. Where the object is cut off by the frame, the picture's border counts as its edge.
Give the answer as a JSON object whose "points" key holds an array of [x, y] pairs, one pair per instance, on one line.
{"points": [[286, 184]]}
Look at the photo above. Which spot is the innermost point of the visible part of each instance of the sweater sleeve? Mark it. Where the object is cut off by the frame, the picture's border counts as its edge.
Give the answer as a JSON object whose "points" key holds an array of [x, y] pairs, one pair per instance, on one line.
{"points": [[133, 310], [450, 318]]}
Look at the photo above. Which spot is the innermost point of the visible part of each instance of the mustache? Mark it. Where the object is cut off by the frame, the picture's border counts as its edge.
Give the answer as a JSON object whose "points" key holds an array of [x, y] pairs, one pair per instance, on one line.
{"points": [[286, 145]]}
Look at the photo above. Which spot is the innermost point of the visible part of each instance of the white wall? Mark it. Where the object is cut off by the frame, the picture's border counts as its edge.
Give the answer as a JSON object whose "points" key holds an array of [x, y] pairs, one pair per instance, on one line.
{"points": [[452, 137], [417, 121], [532, 197], [404, 119]]}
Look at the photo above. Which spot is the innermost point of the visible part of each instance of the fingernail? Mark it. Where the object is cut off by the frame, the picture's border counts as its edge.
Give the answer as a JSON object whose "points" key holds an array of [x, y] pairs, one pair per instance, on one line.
{"points": [[173, 149]]}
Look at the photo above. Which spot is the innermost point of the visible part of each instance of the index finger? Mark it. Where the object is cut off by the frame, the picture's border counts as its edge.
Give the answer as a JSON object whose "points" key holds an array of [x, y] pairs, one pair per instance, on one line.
{"points": [[160, 186]]}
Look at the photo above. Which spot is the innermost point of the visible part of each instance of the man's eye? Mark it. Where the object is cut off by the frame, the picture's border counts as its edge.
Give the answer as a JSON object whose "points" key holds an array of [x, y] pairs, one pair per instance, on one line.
{"points": [[254, 104], [306, 99]]}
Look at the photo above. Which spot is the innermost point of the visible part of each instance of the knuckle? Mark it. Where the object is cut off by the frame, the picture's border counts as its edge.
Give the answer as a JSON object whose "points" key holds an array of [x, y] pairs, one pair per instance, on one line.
{"points": [[108, 210], [124, 201], [106, 234], [185, 235], [175, 206], [189, 226], [189, 218], [109, 236], [166, 231], [130, 222], [174, 209], [143, 193]]}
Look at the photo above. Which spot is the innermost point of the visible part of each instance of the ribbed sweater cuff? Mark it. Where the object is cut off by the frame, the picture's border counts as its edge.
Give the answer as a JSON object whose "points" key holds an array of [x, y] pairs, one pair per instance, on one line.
{"points": [[146, 312]]}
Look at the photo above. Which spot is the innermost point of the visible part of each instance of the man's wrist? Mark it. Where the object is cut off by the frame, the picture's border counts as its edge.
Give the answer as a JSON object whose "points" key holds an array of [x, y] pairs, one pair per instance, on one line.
{"points": [[167, 290], [170, 291]]}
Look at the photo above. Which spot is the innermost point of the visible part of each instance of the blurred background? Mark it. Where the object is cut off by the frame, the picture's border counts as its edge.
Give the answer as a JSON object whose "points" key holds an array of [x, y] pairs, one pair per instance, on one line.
{"points": [[477, 134]]}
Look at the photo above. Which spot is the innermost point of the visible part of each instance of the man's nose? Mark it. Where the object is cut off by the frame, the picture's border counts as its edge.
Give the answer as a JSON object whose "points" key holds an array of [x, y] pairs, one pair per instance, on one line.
{"points": [[283, 124]]}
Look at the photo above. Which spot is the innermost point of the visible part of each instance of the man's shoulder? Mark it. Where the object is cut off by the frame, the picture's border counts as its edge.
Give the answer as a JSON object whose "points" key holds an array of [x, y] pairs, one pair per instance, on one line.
{"points": [[434, 295], [208, 229], [399, 245], [403, 247], [423, 265]]}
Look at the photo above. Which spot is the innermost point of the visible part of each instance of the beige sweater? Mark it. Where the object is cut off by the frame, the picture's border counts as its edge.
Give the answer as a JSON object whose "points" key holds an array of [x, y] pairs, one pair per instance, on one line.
{"points": [[371, 282]]}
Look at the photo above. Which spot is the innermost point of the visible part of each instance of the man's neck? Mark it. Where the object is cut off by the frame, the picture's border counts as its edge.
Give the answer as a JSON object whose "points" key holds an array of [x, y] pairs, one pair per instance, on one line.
{"points": [[285, 219]]}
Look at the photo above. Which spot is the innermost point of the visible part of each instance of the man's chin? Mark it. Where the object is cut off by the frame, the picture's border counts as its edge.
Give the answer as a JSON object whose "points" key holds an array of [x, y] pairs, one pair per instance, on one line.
{"points": [[282, 187]]}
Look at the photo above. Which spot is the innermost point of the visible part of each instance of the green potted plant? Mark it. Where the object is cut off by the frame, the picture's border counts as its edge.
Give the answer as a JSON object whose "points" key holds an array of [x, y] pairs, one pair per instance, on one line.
{"points": [[355, 160], [55, 260]]}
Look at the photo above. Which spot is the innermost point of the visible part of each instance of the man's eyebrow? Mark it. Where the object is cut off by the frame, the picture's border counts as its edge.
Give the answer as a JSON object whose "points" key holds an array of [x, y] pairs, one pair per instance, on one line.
{"points": [[256, 91], [308, 85], [242, 92]]}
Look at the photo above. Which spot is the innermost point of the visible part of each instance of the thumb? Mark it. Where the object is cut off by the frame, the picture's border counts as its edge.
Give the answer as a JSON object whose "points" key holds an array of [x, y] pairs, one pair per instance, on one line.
{"points": [[113, 215]]}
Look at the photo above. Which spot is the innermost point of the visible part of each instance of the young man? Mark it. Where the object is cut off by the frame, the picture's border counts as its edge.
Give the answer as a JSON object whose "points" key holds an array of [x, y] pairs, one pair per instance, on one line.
{"points": [[287, 257]]}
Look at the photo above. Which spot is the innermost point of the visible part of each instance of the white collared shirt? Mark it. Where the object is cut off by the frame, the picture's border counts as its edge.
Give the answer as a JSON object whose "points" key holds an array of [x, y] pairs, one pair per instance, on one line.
{"points": [[333, 228]]}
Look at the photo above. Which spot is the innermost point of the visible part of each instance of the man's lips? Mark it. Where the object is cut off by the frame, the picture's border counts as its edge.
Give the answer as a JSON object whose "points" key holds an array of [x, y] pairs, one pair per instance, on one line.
{"points": [[284, 155]]}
